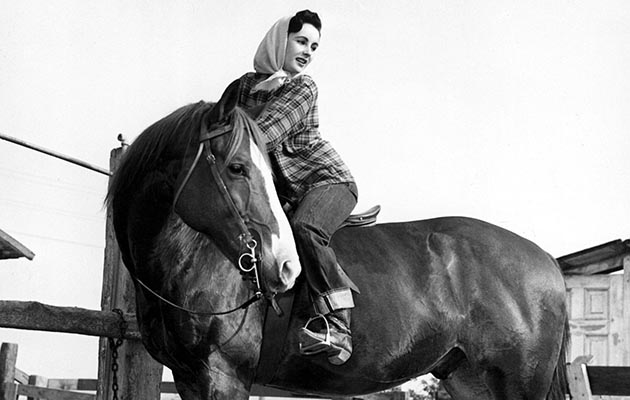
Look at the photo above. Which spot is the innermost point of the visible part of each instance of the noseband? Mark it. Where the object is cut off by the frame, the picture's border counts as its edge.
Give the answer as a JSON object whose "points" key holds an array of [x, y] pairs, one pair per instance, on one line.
{"points": [[248, 261]]}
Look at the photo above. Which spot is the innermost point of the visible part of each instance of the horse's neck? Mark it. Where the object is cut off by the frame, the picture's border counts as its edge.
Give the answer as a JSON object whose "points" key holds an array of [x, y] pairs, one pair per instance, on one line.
{"points": [[191, 264]]}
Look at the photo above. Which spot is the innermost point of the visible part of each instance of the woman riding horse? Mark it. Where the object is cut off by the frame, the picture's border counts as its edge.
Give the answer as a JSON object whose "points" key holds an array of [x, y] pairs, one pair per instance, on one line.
{"points": [[476, 305], [311, 177]]}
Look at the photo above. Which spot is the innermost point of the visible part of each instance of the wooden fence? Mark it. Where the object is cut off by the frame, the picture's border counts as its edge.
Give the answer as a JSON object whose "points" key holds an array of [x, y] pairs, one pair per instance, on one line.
{"points": [[589, 382], [16, 382], [586, 383], [138, 375]]}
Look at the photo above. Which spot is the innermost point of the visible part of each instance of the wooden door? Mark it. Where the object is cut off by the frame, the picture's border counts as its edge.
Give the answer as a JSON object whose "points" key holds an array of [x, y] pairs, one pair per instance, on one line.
{"points": [[596, 317]]}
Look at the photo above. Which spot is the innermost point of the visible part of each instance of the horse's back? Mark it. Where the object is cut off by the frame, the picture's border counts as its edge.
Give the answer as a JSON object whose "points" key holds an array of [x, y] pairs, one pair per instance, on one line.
{"points": [[455, 247], [428, 287]]}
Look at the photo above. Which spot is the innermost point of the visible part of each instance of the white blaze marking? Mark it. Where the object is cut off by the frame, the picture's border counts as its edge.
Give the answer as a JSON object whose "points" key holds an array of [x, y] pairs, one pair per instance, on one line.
{"points": [[283, 246]]}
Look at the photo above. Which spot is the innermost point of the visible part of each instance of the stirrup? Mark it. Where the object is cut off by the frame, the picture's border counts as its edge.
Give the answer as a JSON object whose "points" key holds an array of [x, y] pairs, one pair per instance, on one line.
{"points": [[320, 346]]}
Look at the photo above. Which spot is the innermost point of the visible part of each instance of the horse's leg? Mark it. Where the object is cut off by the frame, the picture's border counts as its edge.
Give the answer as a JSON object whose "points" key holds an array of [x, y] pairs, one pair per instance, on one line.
{"points": [[469, 382], [187, 390], [527, 376], [512, 378], [513, 384], [211, 388], [217, 380], [504, 385], [465, 383], [524, 368]]}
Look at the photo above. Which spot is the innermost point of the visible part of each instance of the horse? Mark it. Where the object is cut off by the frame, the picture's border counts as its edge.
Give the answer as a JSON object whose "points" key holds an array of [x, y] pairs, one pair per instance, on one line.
{"points": [[477, 306]]}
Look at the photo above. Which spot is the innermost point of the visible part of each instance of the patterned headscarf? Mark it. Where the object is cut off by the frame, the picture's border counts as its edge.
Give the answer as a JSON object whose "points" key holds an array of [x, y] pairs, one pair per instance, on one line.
{"points": [[269, 58]]}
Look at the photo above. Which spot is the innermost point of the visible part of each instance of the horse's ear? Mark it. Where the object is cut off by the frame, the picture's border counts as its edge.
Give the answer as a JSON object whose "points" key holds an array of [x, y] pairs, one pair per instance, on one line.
{"points": [[226, 104]]}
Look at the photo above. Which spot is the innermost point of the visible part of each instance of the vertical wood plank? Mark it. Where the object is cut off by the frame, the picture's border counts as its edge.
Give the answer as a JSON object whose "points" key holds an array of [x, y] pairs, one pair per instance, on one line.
{"points": [[8, 358], [617, 345], [578, 381], [138, 375], [626, 311]]}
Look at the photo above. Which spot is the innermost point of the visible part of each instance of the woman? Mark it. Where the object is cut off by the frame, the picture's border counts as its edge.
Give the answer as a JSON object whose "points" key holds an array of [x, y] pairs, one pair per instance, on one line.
{"points": [[311, 177]]}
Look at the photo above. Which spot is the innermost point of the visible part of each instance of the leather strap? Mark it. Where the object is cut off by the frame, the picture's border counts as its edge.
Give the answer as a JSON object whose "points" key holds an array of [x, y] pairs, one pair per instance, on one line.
{"points": [[275, 330]]}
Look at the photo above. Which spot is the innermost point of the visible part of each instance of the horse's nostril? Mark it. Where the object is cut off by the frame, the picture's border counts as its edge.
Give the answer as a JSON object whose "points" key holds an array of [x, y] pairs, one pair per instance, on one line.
{"points": [[289, 273], [285, 272]]}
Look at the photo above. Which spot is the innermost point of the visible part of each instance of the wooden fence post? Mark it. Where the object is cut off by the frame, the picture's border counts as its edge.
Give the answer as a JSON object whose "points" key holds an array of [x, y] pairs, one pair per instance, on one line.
{"points": [[8, 358], [577, 376], [138, 375]]}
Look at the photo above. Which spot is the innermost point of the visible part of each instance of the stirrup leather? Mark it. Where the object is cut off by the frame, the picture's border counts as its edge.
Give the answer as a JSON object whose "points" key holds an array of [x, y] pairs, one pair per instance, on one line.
{"points": [[318, 347]]}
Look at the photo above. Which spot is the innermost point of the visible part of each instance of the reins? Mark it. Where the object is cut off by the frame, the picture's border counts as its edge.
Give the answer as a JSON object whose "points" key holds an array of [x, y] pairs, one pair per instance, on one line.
{"points": [[257, 296], [245, 235]]}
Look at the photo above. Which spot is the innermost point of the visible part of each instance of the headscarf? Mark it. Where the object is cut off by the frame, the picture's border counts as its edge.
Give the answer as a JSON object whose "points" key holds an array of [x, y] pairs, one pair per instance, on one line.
{"points": [[269, 58]]}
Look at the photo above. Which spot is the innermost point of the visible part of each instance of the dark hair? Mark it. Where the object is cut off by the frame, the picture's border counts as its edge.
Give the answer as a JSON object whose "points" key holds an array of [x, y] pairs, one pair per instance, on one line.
{"points": [[304, 17]]}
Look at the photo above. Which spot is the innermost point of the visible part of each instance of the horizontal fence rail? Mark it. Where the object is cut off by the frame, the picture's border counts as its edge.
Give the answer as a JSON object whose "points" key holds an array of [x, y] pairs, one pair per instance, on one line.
{"points": [[32, 315], [609, 381], [55, 154]]}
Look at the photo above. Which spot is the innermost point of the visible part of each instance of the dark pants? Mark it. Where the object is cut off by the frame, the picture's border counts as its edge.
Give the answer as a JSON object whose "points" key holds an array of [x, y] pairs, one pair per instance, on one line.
{"points": [[320, 213]]}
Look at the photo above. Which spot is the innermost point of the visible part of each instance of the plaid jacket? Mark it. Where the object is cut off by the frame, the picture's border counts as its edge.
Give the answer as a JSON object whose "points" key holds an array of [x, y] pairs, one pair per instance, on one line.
{"points": [[302, 159]]}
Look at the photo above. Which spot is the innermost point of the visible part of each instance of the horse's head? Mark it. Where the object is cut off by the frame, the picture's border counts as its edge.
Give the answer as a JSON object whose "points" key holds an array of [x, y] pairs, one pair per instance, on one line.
{"points": [[226, 191]]}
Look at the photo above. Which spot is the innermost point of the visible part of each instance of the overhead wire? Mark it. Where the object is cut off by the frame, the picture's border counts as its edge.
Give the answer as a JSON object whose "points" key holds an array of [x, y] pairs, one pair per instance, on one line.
{"points": [[58, 211], [45, 180]]}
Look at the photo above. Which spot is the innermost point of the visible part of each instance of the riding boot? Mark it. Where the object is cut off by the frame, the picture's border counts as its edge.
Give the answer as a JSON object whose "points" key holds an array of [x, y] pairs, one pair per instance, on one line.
{"points": [[334, 337]]}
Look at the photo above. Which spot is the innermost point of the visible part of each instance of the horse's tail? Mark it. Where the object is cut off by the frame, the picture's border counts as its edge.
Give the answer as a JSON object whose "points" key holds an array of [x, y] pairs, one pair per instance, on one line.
{"points": [[560, 384]]}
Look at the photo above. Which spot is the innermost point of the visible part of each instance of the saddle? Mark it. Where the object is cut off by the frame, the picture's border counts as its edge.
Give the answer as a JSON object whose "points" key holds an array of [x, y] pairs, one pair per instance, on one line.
{"points": [[365, 218], [276, 325]]}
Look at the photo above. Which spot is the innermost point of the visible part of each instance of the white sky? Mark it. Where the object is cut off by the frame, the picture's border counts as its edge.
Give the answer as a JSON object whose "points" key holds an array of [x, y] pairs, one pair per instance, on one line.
{"points": [[513, 112]]}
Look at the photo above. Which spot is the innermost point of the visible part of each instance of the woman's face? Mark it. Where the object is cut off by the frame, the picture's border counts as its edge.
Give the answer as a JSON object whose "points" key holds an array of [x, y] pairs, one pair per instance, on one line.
{"points": [[300, 48]]}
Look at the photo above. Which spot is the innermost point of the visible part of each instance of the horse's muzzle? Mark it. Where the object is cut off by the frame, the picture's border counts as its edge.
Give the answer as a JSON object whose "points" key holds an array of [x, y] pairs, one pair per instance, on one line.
{"points": [[283, 274]]}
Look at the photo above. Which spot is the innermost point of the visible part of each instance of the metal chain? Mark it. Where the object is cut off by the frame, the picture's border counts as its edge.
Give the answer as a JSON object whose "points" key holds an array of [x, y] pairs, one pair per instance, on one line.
{"points": [[114, 344]]}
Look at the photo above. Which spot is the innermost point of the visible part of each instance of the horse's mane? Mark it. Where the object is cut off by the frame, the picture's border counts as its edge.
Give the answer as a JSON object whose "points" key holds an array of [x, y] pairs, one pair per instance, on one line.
{"points": [[159, 143]]}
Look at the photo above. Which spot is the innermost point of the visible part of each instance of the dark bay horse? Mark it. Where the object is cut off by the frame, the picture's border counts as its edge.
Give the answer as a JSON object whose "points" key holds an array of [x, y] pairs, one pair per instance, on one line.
{"points": [[476, 305]]}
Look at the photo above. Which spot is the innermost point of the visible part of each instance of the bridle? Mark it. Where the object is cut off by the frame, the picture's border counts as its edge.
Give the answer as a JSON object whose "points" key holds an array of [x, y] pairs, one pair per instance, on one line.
{"points": [[249, 260], [205, 136]]}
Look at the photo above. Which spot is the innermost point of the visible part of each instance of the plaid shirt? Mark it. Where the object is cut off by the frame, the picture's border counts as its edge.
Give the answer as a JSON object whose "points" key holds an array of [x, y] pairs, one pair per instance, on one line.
{"points": [[302, 159]]}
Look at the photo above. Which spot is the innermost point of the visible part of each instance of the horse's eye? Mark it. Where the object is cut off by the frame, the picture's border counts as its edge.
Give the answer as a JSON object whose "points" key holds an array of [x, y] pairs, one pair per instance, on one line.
{"points": [[237, 169]]}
